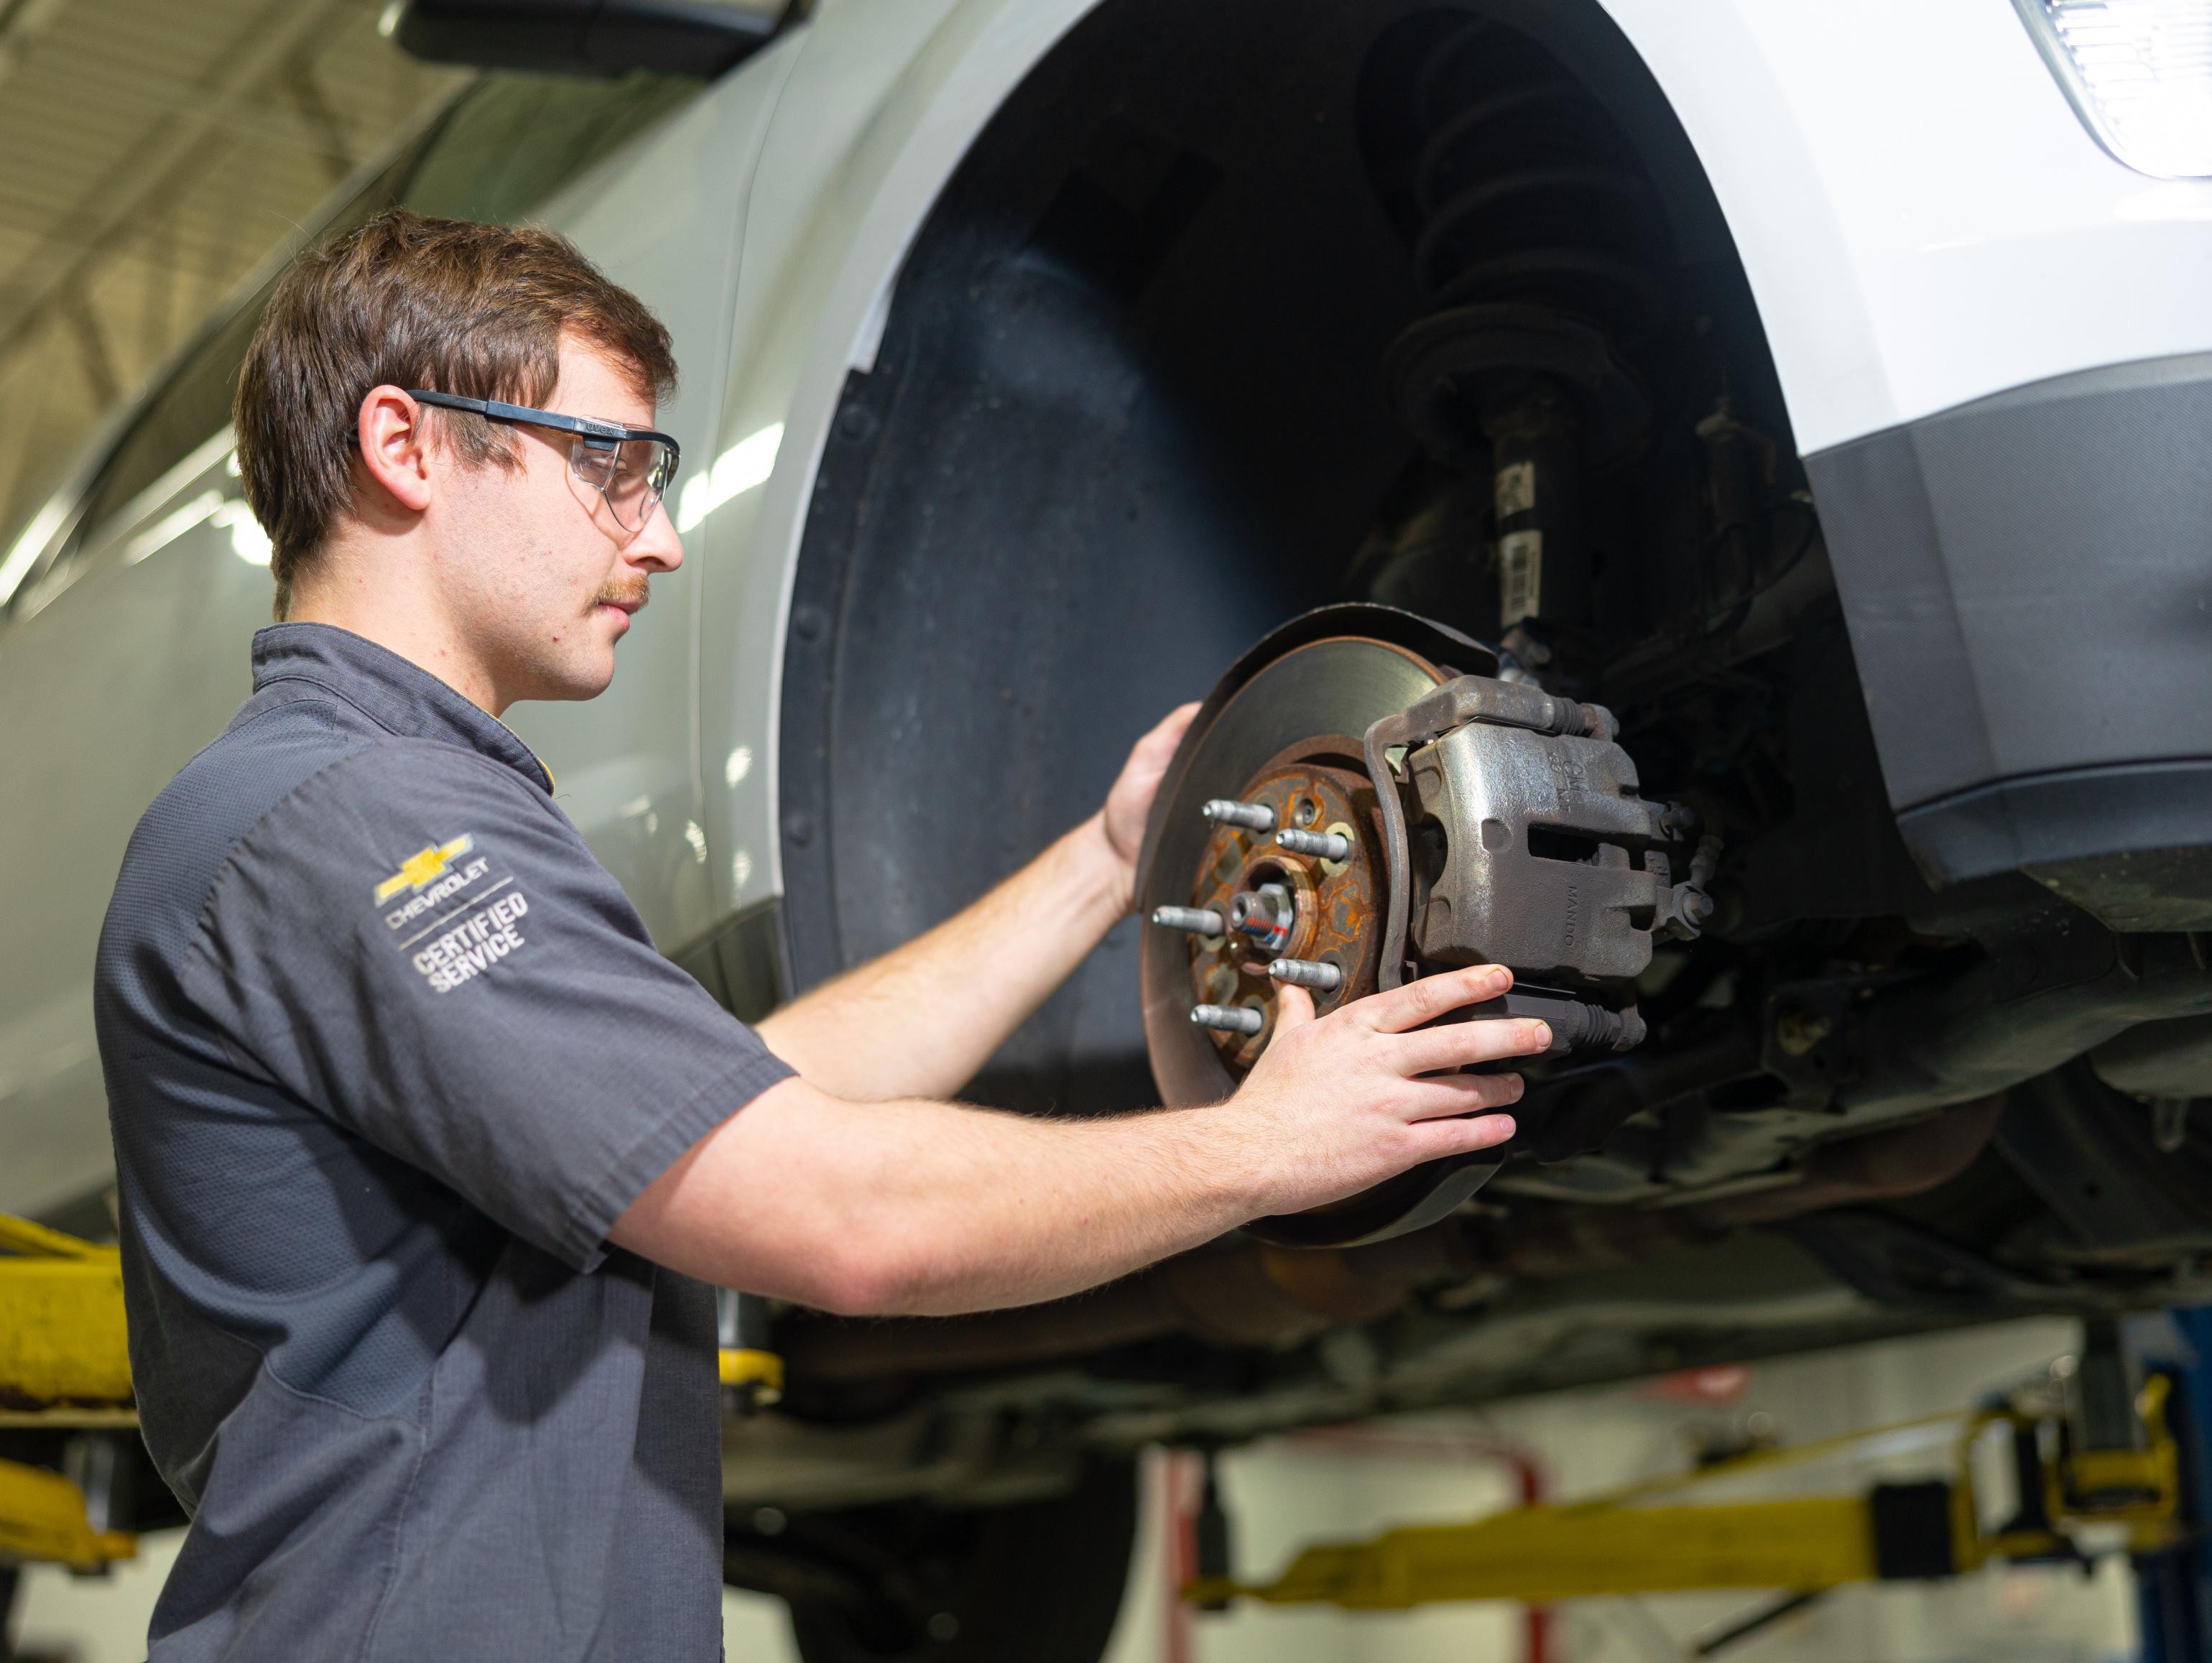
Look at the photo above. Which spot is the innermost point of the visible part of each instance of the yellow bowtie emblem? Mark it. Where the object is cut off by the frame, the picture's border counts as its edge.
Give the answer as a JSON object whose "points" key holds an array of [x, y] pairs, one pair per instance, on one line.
{"points": [[423, 867]]}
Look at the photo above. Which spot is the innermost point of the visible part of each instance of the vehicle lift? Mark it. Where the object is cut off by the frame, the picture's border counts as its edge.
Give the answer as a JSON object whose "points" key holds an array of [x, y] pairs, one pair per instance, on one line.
{"points": [[2114, 1465], [2110, 1464], [64, 1364]]}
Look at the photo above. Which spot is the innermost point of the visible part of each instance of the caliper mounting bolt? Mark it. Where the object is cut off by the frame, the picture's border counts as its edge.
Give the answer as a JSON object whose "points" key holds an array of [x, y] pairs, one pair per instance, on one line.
{"points": [[1199, 921], [1317, 973], [1229, 1018], [1252, 816], [1330, 846]]}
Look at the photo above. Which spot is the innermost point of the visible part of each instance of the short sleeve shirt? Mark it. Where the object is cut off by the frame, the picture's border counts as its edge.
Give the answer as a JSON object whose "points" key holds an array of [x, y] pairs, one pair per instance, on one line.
{"points": [[387, 1053]]}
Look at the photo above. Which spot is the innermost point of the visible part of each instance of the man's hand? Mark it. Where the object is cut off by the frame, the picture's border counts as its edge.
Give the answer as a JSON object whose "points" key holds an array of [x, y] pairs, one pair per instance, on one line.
{"points": [[1130, 803], [1360, 1096]]}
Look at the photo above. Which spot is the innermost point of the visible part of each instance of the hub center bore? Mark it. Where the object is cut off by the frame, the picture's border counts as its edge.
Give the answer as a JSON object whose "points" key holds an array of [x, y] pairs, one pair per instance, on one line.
{"points": [[1264, 915]]}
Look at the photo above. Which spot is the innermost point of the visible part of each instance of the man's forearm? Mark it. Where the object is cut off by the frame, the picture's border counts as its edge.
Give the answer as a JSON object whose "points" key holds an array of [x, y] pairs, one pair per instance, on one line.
{"points": [[930, 1209], [921, 1020]]}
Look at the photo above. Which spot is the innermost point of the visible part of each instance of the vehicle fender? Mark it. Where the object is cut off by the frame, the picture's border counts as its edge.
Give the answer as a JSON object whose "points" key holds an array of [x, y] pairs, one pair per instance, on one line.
{"points": [[885, 99], [1923, 219]]}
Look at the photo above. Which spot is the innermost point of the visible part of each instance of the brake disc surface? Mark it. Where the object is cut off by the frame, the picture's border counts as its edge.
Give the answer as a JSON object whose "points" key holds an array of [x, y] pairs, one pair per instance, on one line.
{"points": [[1283, 727], [1288, 735]]}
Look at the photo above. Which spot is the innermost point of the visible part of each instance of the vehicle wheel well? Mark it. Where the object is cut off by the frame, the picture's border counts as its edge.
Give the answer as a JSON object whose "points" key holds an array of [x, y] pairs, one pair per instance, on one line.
{"points": [[1129, 412]]}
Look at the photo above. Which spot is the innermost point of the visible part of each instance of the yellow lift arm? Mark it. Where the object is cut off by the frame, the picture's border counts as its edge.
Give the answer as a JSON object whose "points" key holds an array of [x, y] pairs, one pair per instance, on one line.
{"points": [[65, 1363], [64, 1357], [42, 1517], [1616, 1544]]}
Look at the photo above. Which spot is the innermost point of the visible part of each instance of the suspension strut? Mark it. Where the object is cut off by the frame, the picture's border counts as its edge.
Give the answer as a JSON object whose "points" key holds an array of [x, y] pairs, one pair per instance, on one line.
{"points": [[1542, 249]]}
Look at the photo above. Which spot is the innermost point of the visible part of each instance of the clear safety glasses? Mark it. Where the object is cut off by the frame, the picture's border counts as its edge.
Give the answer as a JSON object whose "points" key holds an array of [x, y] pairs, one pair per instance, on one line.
{"points": [[630, 467]]}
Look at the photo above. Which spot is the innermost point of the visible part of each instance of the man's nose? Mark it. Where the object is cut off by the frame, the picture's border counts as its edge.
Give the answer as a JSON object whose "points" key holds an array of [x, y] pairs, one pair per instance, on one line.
{"points": [[656, 548]]}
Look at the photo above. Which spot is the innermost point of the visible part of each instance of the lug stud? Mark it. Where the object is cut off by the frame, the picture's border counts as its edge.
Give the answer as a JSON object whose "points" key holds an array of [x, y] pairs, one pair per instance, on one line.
{"points": [[1252, 816], [1330, 846], [1317, 973], [1228, 1018], [1199, 921]]}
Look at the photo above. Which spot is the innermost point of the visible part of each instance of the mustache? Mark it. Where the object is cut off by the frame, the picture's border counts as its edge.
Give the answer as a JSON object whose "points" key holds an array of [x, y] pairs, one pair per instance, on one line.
{"points": [[635, 595]]}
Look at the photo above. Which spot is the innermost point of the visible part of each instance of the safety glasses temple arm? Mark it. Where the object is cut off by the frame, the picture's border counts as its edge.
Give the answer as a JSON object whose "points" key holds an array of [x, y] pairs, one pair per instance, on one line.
{"points": [[590, 428]]}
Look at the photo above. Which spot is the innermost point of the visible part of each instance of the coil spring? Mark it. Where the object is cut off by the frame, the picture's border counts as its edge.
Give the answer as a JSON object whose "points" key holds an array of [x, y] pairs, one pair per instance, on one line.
{"points": [[1527, 193]]}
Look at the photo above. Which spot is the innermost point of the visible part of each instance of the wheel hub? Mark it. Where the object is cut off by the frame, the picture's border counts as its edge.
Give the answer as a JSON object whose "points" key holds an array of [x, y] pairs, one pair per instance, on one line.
{"points": [[1281, 903]]}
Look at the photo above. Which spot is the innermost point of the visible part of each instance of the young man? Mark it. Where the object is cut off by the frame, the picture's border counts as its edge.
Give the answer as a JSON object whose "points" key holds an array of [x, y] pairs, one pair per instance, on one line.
{"points": [[425, 1155]]}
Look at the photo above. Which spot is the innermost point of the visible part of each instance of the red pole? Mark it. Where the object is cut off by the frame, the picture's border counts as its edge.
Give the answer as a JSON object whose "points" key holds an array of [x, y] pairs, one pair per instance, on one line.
{"points": [[1178, 1517], [1538, 1618], [1528, 1472]]}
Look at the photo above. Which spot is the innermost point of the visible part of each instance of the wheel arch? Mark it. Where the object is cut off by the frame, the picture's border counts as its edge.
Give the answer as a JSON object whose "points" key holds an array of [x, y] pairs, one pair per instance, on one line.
{"points": [[879, 117], [883, 107]]}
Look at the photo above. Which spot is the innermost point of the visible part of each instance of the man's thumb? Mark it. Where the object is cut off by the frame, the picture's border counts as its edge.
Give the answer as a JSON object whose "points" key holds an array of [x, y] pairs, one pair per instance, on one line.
{"points": [[1293, 1008]]}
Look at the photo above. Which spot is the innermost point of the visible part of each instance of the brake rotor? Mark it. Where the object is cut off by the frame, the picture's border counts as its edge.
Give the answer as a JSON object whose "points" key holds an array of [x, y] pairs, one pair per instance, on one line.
{"points": [[1286, 738], [1282, 730]]}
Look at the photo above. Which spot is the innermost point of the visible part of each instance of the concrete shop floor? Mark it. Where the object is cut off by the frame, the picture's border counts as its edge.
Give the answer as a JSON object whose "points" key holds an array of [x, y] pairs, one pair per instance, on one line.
{"points": [[1289, 1491]]}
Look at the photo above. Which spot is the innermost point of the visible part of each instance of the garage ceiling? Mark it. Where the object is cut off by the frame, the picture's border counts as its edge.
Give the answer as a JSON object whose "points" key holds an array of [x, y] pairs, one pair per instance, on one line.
{"points": [[151, 156]]}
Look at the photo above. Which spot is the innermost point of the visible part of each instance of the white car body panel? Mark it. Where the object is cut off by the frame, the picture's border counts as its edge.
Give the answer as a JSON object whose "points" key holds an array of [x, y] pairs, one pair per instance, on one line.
{"points": [[139, 661], [1922, 219]]}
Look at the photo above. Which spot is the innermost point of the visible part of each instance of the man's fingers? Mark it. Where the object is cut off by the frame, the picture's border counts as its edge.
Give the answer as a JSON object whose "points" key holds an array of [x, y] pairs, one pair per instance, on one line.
{"points": [[1151, 754], [1431, 997], [1460, 1094], [1438, 1139], [1293, 1009], [1455, 1045], [1168, 732], [1131, 798]]}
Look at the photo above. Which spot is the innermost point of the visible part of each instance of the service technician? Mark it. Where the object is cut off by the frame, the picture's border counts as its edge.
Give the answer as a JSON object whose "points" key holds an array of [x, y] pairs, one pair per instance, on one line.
{"points": [[429, 1163]]}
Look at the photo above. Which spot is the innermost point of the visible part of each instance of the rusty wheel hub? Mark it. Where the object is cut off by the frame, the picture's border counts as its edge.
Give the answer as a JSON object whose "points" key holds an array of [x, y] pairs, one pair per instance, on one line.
{"points": [[1278, 903]]}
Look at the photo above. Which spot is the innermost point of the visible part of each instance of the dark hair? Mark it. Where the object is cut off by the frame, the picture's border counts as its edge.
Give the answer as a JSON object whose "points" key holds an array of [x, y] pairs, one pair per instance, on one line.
{"points": [[442, 304]]}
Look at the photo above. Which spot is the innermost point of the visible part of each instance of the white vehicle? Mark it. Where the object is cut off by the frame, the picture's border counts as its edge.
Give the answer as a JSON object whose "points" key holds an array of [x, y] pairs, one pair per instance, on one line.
{"points": [[1826, 390]]}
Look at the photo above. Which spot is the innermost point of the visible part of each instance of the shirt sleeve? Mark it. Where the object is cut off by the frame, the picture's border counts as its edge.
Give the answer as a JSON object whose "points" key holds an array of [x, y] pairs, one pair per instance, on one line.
{"points": [[419, 945]]}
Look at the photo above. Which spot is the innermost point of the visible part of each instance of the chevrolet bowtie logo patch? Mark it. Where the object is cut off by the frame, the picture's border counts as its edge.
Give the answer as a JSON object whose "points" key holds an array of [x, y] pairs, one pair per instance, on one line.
{"points": [[423, 868]]}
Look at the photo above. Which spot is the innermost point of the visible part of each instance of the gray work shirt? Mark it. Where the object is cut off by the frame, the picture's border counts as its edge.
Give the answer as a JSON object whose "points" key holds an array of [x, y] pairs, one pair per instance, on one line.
{"points": [[387, 1053]]}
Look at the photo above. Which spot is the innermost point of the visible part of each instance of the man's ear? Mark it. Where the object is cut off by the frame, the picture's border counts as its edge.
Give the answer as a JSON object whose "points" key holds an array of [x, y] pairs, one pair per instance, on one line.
{"points": [[396, 447]]}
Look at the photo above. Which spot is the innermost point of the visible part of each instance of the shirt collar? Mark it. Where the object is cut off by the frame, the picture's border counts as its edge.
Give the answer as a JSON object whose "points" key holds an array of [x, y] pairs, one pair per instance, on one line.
{"points": [[398, 696]]}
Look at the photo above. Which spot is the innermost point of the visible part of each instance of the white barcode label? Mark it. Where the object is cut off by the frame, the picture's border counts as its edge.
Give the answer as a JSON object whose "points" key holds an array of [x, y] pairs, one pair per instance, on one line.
{"points": [[1515, 488], [1520, 577]]}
